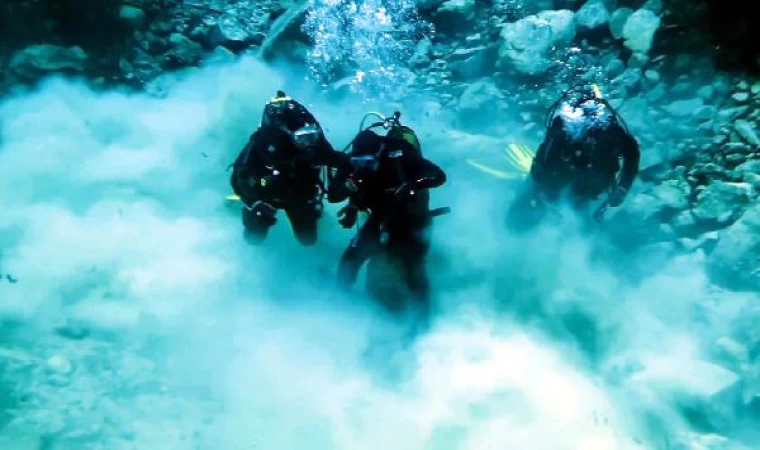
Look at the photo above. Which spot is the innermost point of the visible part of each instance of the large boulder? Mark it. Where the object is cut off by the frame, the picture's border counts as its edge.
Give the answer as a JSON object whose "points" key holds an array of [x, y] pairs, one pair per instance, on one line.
{"points": [[284, 31], [527, 43], [722, 202], [639, 30], [235, 34], [592, 15], [38, 60], [736, 258]]}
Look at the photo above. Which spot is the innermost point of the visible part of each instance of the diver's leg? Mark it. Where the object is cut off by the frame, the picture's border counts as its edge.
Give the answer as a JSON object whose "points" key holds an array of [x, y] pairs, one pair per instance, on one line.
{"points": [[362, 246], [303, 219], [257, 221], [527, 208]]}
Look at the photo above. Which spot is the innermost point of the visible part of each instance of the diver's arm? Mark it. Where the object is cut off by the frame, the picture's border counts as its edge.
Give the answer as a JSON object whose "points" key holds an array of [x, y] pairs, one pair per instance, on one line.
{"points": [[247, 170], [631, 158], [328, 156], [338, 191], [430, 175]]}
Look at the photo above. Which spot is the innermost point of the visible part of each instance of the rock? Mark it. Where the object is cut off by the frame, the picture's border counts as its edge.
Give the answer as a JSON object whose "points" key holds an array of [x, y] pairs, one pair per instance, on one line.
{"points": [[752, 178], [592, 15], [755, 89], [453, 15], [704, 112], [472, 62], [653, 5], [639, 222], [38, 60], [652, 76], [618, 20], [740, 97], [673, 194], [722, 202], [657, 93], [614, 67], [429, 4], [132, 16], [684, 223], [684, 108], [747, 132], [59, 364], [706, 92], [72, 330], [639, 30], [423, 53], [183, 54], [526, 43], [749, 166], [285, 28], [233, 33], [736, 258], [629, 78]]}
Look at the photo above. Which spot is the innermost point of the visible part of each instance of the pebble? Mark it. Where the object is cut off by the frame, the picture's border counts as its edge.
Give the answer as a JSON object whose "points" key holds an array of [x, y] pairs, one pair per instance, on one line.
{"points": [[741, 97], [59, 364], [652, 76], [747, 132], [706, 92]]}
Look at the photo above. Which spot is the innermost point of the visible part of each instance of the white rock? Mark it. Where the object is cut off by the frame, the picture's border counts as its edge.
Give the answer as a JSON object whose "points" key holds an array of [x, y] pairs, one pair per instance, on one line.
{"points": [[722, 201], [59, 364], [747, 131], [527, 42], [40, 59], [592, 15], [132, 16], [639, 30], [672, 193], [736, 258]]}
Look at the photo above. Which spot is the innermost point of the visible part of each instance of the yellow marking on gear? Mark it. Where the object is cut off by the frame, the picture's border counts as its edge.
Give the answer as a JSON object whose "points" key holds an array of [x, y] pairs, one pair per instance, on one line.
{"points": [[597, 91], [279, 99], [232, 198], [491, 171]]}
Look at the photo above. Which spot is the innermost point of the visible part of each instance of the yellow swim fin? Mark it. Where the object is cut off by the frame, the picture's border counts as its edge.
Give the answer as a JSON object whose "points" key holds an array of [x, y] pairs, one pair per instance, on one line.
{"points": [[232, 198], [493, 172], [520, 156]]}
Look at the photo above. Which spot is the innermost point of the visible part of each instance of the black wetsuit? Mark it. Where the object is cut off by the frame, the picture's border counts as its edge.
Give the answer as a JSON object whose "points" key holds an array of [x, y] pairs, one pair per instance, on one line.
{"points": [[397, 199], [582, 166], [271, 173]]}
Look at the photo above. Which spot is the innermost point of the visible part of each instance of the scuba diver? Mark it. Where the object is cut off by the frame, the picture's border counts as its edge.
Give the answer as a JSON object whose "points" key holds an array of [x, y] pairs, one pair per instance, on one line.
{"points": [[388, 178], [580, 157], [281, 168]]}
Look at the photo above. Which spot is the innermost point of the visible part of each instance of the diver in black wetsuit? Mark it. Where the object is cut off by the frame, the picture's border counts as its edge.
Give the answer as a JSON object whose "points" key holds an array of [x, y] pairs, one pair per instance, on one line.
{"points": [[389, 179], [580, 157], [280, 168]]}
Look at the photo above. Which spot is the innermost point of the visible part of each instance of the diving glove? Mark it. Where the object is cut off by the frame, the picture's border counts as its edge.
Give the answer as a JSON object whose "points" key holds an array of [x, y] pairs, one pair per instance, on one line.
{"points": [[347, 216]]}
